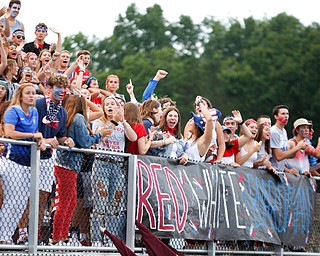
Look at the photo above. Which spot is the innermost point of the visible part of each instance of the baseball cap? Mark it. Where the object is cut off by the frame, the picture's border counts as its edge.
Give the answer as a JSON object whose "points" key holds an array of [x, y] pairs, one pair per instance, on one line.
{"points": [[198, 120], [226, 128], [227, 118]]}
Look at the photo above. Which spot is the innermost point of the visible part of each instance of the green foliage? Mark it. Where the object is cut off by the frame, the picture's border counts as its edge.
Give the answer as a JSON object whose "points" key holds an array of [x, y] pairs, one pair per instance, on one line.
{"points": [[250, 65]]}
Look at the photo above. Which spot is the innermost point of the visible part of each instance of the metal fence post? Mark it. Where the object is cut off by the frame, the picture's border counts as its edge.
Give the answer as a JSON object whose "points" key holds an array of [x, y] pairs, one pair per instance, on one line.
{"points": [[131, 207], [211, 248], [34, 199]]}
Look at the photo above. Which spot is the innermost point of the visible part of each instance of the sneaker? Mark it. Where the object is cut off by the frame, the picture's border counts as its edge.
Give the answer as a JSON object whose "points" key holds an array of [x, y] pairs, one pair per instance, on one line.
{"points": [[296, 249], [23, 239], [84, 243], [60, 243]]}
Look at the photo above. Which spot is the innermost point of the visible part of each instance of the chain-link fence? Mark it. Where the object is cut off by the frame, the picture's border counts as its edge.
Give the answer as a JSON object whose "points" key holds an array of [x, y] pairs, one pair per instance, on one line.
{"points": [[47, 208]]}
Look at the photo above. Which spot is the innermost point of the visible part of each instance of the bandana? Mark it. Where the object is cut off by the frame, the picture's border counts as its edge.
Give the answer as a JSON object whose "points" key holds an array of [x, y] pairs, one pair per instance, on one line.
{"points": [[41, 27], [53, 111], [171, 130], [250, 121]]}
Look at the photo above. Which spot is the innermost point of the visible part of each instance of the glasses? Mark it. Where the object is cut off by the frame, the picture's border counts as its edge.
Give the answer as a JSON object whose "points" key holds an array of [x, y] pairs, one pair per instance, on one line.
{"points": [[19, 37]]}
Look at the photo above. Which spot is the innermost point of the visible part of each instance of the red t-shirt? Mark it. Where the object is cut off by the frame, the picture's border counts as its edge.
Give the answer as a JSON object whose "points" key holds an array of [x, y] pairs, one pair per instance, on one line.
{"points": [[229, 155], [97, 101], [85, 76], [141, 132]]}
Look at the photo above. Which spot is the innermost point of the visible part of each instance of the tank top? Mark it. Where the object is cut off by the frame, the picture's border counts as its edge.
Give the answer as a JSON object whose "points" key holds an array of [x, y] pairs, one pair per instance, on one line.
{"points": [[191, 149], [252, 158]]}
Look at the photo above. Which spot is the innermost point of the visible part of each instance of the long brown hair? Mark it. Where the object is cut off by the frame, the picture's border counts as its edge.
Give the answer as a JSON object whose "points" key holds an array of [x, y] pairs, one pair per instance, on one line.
{"points": [[259, 135], [10, 63], [39, 63], [163, 122], [75, 105], [146, 109], [132, 113]]}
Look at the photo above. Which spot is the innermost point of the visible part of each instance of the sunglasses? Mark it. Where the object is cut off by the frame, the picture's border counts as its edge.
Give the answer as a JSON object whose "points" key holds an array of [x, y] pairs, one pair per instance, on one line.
{"points": [[18, 37]]}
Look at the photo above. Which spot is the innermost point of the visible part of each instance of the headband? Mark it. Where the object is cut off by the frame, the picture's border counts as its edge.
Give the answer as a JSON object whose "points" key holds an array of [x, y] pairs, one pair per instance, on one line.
{"points": [[18, 31], [41, 27], [111, 97], [88, 81], [250, 121]]}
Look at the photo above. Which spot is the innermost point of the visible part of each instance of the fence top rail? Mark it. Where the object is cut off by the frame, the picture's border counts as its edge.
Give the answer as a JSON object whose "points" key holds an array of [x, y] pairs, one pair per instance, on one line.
{"points": [[85, 150], [82, 150]]}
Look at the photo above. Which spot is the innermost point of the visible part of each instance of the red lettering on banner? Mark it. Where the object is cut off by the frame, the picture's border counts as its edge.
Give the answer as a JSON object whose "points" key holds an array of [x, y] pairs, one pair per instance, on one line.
{"points": [[180, 224], [144, 195], [153, 186], [160, 197]]}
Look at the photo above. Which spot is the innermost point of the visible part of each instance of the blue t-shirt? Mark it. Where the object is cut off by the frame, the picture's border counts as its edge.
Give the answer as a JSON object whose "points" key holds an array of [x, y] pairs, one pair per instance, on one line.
{"points": [[22, 123], [55, 128]]}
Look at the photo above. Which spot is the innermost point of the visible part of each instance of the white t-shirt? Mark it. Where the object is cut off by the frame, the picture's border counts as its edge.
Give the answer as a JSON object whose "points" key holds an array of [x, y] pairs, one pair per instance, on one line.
{"points": [[278, 139], [116, 140]]}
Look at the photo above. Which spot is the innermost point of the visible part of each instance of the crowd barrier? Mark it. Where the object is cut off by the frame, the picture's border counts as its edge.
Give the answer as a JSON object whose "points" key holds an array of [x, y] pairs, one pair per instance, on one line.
{"points": [[35, 246]]}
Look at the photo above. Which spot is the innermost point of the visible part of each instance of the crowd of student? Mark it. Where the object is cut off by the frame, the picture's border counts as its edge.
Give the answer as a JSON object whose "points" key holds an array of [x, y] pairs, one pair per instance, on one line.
{"points": [[44, 99]]}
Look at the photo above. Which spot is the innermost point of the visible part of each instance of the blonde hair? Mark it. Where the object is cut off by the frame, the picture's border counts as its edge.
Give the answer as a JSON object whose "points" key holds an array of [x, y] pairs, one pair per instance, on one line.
{"points": [[16, 100], [104, 118]]}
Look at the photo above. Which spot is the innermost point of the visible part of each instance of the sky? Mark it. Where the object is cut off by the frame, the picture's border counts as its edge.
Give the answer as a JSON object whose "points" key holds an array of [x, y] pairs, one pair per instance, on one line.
{"points": [[97, 17]]}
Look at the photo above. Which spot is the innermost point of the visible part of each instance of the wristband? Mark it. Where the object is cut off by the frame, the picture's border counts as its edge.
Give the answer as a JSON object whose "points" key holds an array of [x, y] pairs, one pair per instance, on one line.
{"points": [[81, 70], [241, 123]]}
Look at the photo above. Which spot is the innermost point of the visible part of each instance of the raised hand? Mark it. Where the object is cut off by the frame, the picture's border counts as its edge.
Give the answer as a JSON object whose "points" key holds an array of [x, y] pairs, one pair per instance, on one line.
{"points": [[54, 30], [129, 88], [160, 74], [237, 116], [3, 10]]}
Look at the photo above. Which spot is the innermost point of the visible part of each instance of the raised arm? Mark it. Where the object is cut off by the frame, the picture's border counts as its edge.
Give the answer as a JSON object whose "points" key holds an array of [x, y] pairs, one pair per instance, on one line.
{"points": [[130, 89], [59, 41], [206, 137], [7, 26], [220, 141], [95, 112], [153, 84], [72, 67], [246, 132], [3, 63]]}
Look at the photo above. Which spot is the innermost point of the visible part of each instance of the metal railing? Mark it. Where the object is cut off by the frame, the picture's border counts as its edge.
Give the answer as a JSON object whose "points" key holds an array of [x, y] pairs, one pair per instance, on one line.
{"points": [[209, 248]]}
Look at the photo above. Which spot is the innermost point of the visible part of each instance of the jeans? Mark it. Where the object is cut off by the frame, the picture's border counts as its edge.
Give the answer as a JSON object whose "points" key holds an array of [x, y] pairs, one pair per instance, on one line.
{"points": [[109, 185]]}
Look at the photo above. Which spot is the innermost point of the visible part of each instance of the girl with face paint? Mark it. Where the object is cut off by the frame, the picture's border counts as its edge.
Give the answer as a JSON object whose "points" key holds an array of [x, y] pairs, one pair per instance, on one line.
{"points": [[68, 164]]}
